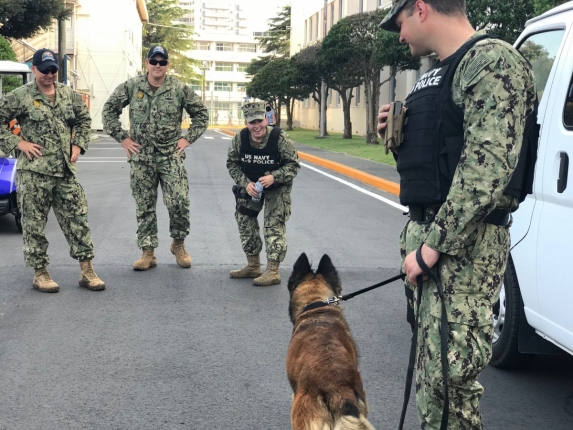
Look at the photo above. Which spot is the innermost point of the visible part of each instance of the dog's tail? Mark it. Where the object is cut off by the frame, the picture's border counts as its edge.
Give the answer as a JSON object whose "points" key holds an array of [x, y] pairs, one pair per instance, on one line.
{"points": [[352, 419]]}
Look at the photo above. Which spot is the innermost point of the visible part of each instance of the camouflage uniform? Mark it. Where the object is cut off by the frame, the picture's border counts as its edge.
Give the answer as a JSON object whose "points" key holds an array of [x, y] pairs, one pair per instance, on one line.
{"points": [[156, 125], [49, 181], [277, 201], [494, 87]]}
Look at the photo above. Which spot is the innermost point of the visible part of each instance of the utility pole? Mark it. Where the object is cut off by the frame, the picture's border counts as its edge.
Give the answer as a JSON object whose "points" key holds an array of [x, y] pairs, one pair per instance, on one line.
{"points": [[62, 75], [323, 85]]}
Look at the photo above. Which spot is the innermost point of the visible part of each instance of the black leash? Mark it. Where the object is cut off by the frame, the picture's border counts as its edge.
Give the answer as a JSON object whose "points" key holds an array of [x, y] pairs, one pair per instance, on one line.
{"points": [[336, 300], [443, 344]]}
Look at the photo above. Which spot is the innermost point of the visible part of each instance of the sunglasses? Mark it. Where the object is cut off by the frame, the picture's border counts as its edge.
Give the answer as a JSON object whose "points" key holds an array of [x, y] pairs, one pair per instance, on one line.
{"points": [[51, 70], [155, 62]]}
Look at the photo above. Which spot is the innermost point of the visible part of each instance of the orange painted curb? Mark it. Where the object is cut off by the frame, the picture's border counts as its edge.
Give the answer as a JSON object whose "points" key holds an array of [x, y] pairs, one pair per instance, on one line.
{"points": [[375, 181], [228, 132]]}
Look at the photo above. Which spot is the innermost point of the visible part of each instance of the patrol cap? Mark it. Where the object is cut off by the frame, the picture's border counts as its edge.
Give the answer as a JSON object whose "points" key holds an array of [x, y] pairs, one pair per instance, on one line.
{"points": [[44, 59], [389, 21], [253, 111], [158, 50]]}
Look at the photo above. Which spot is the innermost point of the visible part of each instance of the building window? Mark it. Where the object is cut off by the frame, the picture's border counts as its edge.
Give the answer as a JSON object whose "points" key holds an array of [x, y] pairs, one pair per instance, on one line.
{"points": [[305, 31], [361, 6], [223, 67], [196, 87], [241, 88], [242, 67], [358, 94], [223, 86], [316, 34], [331, 14], [339, 9], [247, 47], [202, 46], [224, 46]]}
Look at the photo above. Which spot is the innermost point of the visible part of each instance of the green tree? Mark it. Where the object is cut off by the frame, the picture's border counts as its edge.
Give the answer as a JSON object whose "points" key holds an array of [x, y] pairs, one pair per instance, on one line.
{"points": [[505, 19], [357, 41], [176, 38], [542, 6], [277, 41], [24, 18], [9, 83], [336, 57], [310, 73], [278, 80]]}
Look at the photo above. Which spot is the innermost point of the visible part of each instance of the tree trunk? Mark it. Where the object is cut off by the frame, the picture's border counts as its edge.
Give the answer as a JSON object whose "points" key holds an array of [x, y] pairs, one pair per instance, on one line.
{"points": [[371, 87], [289, 106], [278, 114], [346, 112]]}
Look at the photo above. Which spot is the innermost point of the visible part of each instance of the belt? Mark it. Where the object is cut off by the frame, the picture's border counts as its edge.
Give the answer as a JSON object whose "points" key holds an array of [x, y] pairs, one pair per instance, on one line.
{"points": [[500, 217]]}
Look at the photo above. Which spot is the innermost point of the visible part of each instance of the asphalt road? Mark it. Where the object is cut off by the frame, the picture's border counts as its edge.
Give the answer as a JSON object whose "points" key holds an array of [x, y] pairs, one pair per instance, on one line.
{"points": [[192, 349]]}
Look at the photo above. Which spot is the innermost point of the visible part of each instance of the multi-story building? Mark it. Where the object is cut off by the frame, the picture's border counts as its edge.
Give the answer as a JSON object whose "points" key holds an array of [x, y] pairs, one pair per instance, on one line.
{"points": [[225, 43], [103, 48], [307, 21]]}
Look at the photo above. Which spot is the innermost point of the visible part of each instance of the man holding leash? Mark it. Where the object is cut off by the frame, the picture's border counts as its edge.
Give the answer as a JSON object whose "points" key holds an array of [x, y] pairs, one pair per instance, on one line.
{"points": [[155, 148], [462, 139], [261, 154], [55, 130]]}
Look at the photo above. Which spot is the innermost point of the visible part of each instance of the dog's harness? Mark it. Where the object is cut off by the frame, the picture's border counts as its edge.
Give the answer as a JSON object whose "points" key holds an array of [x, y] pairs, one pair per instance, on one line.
{"points": [[412, 360]]}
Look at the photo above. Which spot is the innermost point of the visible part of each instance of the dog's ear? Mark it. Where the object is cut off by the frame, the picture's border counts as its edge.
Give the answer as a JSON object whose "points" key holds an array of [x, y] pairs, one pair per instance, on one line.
{"points": [[299, 271], [329, 273]]}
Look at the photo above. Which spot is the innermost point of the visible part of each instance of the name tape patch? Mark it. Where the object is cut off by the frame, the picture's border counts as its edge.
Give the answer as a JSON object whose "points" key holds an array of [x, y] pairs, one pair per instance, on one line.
{"points": [[431, 79]]}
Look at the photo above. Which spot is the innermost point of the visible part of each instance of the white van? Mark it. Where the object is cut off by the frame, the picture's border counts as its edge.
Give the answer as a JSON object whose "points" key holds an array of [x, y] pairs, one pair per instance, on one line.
{"points": [[535, 311]]}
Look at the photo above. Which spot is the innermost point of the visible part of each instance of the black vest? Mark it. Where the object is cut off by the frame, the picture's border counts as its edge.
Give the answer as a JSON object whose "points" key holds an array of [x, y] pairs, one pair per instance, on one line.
{"points": [[434, 139], [255, 162]]}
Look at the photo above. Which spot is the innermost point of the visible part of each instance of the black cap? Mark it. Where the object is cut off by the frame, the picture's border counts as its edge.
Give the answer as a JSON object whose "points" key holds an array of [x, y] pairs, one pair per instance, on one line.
{"points": [[44, 59], [157, 50]]}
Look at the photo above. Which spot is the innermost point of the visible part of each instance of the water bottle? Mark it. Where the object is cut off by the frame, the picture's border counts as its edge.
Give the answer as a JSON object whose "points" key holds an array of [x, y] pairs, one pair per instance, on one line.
{"points": [[259, 188]]}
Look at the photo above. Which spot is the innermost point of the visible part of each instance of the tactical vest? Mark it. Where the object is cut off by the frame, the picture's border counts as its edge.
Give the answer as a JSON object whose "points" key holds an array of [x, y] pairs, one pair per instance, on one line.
{"points": [[434, 139], [255, 162]]}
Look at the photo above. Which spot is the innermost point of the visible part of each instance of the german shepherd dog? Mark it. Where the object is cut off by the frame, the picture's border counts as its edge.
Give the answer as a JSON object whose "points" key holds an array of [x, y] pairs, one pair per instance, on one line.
{"points": [[322, 358]]}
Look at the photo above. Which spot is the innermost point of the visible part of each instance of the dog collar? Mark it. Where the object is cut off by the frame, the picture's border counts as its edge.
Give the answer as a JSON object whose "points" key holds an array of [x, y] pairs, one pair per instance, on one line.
{"points": [[321, 304]]}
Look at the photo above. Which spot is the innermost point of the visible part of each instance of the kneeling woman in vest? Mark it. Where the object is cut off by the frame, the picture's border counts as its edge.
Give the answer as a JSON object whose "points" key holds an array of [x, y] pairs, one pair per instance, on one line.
{"points": [[263, 154]]}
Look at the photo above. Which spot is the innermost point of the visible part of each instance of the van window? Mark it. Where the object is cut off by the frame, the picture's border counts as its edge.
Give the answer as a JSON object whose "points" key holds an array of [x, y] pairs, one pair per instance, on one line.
{"points": [[568, 110], [541, 50]]}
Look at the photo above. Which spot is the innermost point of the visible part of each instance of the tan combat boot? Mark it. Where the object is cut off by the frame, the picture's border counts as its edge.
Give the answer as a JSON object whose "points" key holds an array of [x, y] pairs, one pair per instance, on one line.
{"points": [[146, 261], [88, 278], [43, 281], [271, 276], [251, 270], [180, 253]]}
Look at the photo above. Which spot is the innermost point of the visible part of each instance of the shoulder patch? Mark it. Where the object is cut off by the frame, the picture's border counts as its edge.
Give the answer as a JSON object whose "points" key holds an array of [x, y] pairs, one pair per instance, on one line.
{"points": [[475, 67]]}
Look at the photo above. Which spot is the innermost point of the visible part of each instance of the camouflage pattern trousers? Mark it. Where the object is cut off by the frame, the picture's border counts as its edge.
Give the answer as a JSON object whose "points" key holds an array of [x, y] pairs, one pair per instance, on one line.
{"points": [[37, 193], [471, 281], [147, 172], [277, 203]]}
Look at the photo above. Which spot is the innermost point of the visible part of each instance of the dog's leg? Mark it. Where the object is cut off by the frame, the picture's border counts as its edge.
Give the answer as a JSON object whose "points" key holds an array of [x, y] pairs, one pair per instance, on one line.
{"points": [[349, 422]]}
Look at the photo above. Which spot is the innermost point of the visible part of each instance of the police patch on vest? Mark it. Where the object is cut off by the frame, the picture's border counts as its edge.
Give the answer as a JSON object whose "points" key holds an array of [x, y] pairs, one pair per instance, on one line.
{"points": [[258, 159], [431, 79]]}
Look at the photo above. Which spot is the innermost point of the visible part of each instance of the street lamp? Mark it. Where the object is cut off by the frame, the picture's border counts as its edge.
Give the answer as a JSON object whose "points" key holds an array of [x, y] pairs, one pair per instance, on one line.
{"points": [[204, 67]]}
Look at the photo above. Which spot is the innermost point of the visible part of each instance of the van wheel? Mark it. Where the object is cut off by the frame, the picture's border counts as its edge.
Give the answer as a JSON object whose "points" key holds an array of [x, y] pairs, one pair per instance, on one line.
{"points": [[19, 222], [507, 314]]}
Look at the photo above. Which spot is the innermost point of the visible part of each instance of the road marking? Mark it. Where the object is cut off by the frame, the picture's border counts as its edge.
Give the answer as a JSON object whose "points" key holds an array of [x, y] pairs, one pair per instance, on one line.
{"points": [[356, 187], [226, 138], [208, 137]]}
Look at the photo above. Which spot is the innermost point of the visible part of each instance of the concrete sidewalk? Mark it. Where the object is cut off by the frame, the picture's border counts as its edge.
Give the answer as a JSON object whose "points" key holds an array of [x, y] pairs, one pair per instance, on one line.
{"points": [[373, 173]]}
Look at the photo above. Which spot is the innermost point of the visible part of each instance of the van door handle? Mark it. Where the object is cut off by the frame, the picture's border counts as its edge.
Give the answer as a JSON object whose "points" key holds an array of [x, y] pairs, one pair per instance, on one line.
{"points": [[563, 172]]}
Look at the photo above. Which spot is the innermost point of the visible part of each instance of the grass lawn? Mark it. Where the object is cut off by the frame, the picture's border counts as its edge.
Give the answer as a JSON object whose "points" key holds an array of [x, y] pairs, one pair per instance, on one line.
{"points": [[334, 142]]}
